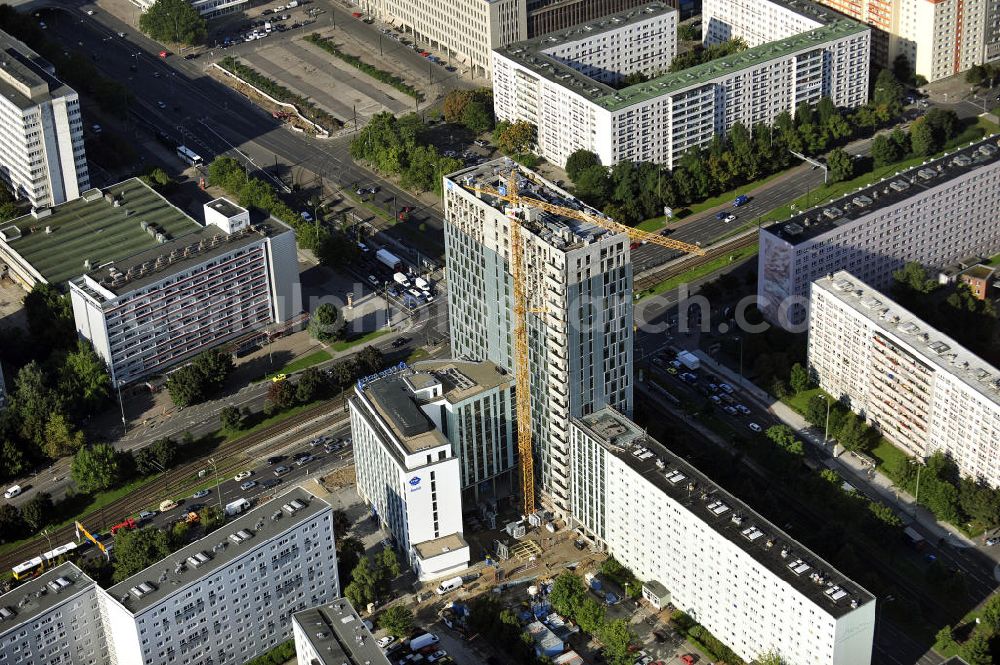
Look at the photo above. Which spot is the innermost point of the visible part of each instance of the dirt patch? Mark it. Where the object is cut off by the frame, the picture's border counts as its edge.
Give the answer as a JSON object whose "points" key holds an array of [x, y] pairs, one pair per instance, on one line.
{"points": [[339, 479]]}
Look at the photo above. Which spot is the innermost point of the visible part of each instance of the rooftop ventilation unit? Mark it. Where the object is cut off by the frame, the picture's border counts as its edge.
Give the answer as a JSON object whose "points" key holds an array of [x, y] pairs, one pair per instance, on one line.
{"points": [[142, 589], [793, 229], [240, 536], [199, 559]]}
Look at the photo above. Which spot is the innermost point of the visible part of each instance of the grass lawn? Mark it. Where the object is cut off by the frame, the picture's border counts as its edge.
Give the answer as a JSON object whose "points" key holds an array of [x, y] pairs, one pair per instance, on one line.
{"points": [[417, 354], [267, 421], [364, 339], [701, 271], [888, 454], [305, 361], [801, 400], [652, 225]]}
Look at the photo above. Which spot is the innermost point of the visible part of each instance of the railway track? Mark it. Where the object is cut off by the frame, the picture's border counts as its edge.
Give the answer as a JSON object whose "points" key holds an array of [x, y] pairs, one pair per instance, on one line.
{"points": [[153, 492], [693, 261]]}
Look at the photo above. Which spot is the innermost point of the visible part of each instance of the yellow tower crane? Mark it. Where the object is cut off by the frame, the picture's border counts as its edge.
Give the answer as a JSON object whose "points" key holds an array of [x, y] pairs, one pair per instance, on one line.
{"points": [[520, 305]]}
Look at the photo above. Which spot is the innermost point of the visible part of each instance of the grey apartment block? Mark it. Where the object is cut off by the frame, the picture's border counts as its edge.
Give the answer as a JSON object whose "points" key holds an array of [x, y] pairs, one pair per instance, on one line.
{"points": [[579, 281], [936, 213]]}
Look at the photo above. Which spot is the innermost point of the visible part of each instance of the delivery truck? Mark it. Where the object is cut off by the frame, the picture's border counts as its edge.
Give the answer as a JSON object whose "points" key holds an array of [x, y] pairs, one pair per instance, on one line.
{"points": [[390, 260], [401, 279], [689, 360]]}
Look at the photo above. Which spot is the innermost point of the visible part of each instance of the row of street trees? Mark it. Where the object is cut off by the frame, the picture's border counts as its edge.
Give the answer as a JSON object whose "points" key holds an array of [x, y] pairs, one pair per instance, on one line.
{"points": [[633, 191], [200, 379], [174, 22]]}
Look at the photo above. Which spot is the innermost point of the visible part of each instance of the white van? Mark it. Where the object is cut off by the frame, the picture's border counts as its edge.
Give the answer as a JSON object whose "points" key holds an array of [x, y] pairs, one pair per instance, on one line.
{"points": [[12, 492], [449, 585], [236, 507]]}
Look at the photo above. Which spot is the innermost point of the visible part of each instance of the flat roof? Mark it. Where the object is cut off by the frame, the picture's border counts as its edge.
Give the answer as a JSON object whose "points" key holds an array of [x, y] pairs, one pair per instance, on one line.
{"points": [[234, 539], [225, 207], [531, 55], [979, 271], [338, 635], [887, 192], [560, 231], [399, 408], [443, 545], [26, 78], [93, 228], [734, 520], [37, 596], [462, 379], [933, 346]]}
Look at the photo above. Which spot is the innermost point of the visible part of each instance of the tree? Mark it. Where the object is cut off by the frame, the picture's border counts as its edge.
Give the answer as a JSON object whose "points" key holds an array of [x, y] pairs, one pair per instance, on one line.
{"points": [[976, 650], [902, 70], [325, 325], [799, 379], [370, 360], [769, 658], [11, 524], [593, 185], [515, 138], [159, 179], [945, 638], [990, 614], [95, 468], [568, 592], [884, 515], [231, 419], [50, 317], [311, 386], [816, 410], [60, 439], [782, 435], [840, 165], [976, 75], [454, 104], [478, 117], [137, 549], [173, 21], [616, 637], [388, 564], [211, 518], [922, 139], [885, 151], [397, 621], [350, 550], [341, 524], [578, 161], [12, 461], [33, 402], [590, 615], [214, 366], [85, 376], [914, 277], [365, 583], [280, 395], [186, 386], [37, 511]]}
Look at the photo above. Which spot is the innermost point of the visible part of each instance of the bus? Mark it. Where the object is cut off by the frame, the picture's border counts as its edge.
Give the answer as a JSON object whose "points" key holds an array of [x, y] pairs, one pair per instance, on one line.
{"points": [[190, 157], [32, 567]]}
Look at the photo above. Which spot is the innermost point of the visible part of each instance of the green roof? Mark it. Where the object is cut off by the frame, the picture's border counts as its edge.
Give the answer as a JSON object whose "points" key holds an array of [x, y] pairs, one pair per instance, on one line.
{"points": [[705, 73], [92, 228]]}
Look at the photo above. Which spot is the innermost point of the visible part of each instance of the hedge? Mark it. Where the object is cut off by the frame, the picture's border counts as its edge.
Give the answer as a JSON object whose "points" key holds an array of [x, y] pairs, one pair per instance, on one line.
{"points": [[281, 93], [373, 71]]}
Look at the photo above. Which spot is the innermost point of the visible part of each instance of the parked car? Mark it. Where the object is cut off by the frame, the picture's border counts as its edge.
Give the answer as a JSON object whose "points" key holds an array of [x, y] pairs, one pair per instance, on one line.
{"points": [[742, 409], [730, 410], [201, 494], [727, 388], [715, 399], [242, 475], [248, 485], [990, 542], [383, 642], [436, 656], [754, 427]]}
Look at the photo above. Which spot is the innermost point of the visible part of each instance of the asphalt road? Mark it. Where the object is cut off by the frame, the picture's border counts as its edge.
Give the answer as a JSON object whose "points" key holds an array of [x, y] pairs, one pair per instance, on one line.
{"points": [[207, 116]]}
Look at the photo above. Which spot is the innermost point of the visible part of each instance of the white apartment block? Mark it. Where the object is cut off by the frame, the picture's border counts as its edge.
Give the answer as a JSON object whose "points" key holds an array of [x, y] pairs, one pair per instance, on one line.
{"points": [[940, 39], [467, 30], [42, 158], [53, 619], [709, 554], [334, 634], [918, 387], [230, 596], [228, 278], [812, 53], [936, 213], [407, 469], [579, 281]]}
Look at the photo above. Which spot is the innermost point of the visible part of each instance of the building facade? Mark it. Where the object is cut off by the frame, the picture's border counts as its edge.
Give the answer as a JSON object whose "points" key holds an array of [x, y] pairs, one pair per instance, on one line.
{"points": [[407, 469], [53, 619], [579, 281], [334, 634], [939, 39], [206, 8], [42, 157], [230, 596], [156, 308], [545, 16], [921, 389], [467, 30], [936, 213], [552, 81], [750, 584]]}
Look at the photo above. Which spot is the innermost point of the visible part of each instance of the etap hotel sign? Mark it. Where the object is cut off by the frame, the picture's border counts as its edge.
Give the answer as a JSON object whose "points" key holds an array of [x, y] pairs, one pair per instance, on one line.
{"points": [[365, 380]]}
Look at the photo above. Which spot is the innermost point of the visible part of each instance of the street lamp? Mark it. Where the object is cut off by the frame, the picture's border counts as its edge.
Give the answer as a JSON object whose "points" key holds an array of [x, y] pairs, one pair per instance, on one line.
{"points": [[121, 405], [916, 497], [826, 427], [740, 340]]}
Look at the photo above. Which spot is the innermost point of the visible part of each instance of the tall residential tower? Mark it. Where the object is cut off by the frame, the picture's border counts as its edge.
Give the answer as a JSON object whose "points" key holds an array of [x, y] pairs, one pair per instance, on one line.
{"points": [[579, 280]]}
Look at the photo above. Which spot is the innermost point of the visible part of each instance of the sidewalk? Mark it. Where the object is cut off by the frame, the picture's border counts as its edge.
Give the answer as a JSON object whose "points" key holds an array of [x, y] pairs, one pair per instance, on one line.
{"points": [[848, 465]]}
